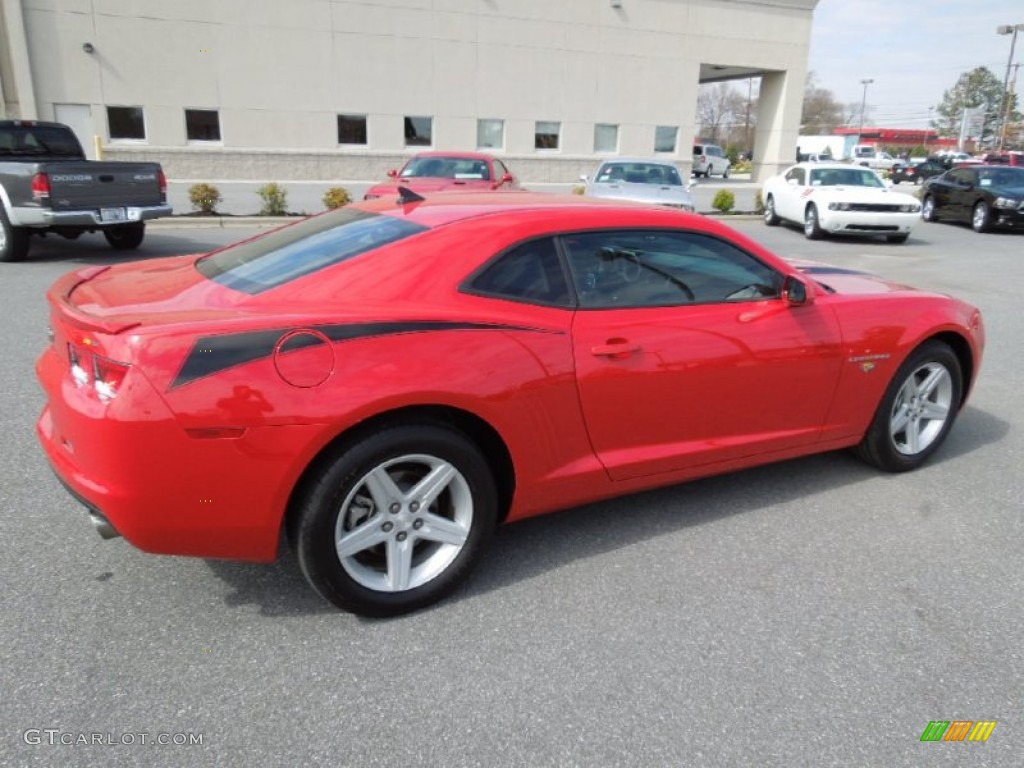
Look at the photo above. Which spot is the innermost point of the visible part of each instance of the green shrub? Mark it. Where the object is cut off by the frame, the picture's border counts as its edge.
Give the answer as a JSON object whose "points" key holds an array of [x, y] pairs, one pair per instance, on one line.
{"points": [[758, 202], [204, 197], [579, 189], [724, 201], [335, 197], [742, 166], [275, 199]]}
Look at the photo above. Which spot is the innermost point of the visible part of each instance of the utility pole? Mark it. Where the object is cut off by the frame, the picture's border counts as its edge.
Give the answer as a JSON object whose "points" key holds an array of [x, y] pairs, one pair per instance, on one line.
{"points": [[863, 105], [1007, 30]]}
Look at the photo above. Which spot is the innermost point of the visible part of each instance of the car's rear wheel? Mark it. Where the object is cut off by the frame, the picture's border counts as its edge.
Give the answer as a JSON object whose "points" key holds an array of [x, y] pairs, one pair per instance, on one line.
{"points": [[928, 212], [770, 217], [981, 219], [396, 521], [918, 410], [13, 240], [812, 228], [725, 173], [125, 237], [900, 238]]}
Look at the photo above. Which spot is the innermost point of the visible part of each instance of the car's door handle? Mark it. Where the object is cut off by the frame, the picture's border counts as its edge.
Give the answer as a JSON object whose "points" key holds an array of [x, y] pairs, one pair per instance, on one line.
{"points": [[615, 348]]}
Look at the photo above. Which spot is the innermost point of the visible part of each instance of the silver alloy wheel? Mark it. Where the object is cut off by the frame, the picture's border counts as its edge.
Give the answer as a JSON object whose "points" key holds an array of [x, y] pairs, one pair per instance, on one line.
{"points": [[404, 523], [921, 408], [811, 221], [769, 209], [928, 209], [980, 220], [3, 237]]}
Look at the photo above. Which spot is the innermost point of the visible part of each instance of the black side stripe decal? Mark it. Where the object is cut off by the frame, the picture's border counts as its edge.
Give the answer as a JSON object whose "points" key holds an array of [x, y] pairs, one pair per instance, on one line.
{"points": [[212, 354]]}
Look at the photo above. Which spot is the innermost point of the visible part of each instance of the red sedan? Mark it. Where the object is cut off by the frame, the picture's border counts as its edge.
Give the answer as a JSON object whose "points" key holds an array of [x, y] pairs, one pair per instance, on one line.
{"points": [[448, 172], [387, 382]]}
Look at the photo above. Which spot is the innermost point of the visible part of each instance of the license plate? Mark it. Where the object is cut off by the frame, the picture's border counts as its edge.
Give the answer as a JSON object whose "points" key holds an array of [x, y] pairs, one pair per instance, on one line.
{"points": [[113, 214]]}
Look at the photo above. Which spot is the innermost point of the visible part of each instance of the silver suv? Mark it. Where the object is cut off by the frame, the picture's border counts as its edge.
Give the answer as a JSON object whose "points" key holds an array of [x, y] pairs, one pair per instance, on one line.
{"points": [[710, 159]]}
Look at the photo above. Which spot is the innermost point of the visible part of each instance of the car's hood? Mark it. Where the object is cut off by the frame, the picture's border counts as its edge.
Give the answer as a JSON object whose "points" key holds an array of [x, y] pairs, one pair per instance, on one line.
{"points": [[857, 194], [660, 194], [431, 185], [845, 280]]}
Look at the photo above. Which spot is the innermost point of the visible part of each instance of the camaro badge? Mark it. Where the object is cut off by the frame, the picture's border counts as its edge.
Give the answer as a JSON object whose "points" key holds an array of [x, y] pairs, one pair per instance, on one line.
{"points": [[867, 361]]}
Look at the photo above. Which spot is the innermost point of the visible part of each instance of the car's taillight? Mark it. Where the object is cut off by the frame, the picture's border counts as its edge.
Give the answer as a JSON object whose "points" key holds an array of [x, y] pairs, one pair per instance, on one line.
{"points": [[103, 375], [41, 188], [162, 181]]}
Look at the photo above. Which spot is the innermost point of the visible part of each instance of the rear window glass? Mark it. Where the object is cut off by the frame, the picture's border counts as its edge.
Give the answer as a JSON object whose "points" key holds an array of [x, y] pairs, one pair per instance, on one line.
{"points": [[38, 140], [301, 249]]}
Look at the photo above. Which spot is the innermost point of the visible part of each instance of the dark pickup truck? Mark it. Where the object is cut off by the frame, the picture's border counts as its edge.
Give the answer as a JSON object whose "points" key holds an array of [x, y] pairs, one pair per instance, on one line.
{"points": [[47, 186]]}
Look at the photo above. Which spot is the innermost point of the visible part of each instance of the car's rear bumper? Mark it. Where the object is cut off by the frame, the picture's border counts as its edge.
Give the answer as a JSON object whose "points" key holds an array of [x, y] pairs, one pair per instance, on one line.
{"points": [[163, 488], [41, 218]]}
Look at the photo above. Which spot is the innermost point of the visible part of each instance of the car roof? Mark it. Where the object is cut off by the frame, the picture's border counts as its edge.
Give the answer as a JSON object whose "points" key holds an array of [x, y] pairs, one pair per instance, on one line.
{"points": [[446, 208], [831, 166], [457, 155], [649, 160]]}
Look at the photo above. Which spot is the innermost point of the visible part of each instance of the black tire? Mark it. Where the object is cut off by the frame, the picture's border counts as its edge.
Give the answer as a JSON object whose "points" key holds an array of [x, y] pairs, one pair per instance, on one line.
{"points": [[928, 211], [881, 445], [125, 237], [981, 217], [897, 239], [13, 240], [339, 501], [725, 173], [812, 228], [771, 218]]}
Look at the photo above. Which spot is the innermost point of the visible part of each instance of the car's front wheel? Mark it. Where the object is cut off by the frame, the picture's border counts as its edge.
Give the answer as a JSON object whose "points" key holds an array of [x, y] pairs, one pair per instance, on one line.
{"points": [[897, 239], [771, 218], [981, 219], [928, 212], [725, 173], [125, 237], [396, 521], [812, 228], [917, 411]]}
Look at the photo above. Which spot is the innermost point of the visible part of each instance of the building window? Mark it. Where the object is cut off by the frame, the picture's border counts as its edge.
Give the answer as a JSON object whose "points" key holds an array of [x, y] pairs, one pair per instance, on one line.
{"points": [[490, 134], [419, 131], [202, 124], [126, 123], [606, 138], [352, 129], [665, 138], [545, 135]]}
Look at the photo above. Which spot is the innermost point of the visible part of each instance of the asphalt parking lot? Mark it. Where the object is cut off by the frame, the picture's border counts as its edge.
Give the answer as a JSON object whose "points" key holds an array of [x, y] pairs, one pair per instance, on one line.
{"points": [[811, 613]]}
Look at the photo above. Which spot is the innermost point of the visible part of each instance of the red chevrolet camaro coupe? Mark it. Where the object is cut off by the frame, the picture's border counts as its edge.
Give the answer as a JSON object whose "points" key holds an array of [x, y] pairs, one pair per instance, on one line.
{"points": [[386, 382]]}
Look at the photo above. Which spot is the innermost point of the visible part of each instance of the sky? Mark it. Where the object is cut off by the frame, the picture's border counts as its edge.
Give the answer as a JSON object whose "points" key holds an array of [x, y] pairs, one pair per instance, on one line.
{"points": [[914, 50]]}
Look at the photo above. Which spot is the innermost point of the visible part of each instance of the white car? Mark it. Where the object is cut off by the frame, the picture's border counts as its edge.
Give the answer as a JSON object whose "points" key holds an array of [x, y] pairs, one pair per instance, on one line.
{"points": [[839, 199]]}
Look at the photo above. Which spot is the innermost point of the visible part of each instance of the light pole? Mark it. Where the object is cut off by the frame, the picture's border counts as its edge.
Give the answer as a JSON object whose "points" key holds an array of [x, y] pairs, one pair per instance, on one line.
{"points": [[1007, 30], [863, 104]]}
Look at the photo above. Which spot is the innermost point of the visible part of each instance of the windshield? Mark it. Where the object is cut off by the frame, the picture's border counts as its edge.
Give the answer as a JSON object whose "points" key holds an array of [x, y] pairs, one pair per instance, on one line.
{"points": [[446, 168], [847, 177], [38, 140], [286, 254], [639, 173]]}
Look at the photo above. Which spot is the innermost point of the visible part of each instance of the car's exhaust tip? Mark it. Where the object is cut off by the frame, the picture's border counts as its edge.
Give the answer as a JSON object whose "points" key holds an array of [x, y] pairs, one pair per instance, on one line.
{"points": [[103, 526]]}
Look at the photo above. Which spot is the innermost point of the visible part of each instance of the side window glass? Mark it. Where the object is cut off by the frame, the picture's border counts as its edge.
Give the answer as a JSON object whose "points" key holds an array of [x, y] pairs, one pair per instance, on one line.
{"points": [[628, 269], [529, 272]]}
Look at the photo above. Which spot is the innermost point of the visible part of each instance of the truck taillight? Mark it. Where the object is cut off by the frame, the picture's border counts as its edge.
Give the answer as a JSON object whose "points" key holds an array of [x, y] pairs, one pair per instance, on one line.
{"points": [[41, 188], [162, 181]]}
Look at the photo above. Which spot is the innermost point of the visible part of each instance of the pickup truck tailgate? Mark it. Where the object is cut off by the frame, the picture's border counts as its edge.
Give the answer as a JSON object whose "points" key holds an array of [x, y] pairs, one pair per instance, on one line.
{"points": [[77, 185]]}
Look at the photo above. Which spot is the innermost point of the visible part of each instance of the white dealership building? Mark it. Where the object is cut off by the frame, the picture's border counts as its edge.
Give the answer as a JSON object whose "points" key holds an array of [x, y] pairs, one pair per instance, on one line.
{"points": [[345, 89]]}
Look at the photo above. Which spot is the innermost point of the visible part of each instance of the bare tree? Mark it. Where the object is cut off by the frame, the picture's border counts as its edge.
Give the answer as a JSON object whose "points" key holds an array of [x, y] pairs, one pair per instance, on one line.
{"points": [[822, 112], [720, 107]]}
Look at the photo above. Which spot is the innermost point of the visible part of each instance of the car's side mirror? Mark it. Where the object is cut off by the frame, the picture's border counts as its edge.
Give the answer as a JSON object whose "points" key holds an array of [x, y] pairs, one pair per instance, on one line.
{"points": [[793, 182], [795, 292], [584, 178], [690, 187], [508, 178], [393, 173]]}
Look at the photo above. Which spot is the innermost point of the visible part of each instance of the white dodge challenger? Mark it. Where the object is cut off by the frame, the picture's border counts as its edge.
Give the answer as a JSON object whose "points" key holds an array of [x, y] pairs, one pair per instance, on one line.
{"points": [[839, 199]]}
